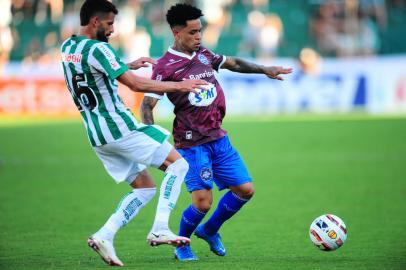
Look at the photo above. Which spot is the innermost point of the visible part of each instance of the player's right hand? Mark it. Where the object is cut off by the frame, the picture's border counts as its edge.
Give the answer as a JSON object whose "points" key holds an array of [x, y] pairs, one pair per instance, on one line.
{"points": [[141, 62], [192, 85]]}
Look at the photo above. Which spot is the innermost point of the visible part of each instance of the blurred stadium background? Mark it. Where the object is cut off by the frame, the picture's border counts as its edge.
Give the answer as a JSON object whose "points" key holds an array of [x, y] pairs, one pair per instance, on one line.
{"points": [[348, 54], [328, 139]]}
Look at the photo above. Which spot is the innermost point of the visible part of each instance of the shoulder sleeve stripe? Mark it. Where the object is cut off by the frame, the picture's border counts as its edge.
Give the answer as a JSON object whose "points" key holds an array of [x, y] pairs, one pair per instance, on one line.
{"points": [[94, 60]]}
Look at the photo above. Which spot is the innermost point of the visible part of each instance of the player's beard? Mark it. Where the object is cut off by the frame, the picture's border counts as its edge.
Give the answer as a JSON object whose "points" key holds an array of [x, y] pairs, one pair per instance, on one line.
{"points": [[101, 35]]}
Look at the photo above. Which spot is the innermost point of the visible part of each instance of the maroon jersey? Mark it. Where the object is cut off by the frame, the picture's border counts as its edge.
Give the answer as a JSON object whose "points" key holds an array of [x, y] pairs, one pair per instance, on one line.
{"points": [[198, 116]]}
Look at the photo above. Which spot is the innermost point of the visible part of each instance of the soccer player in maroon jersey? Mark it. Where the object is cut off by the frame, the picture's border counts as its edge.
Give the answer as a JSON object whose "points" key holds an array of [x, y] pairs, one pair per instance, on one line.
{"points": [[197, 130]]}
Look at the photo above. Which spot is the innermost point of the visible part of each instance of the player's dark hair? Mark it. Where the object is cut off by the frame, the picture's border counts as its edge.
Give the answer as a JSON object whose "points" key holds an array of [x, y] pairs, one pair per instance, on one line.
{"points": [[178, 14], [90, 8]]}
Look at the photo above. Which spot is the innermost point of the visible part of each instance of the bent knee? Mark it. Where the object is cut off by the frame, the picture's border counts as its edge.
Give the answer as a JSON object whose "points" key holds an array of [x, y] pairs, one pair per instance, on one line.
{"points": [[203, 206], [202, 203], [184, 165], [246, 194], [249, 193], [245, 191], [180, 165]]}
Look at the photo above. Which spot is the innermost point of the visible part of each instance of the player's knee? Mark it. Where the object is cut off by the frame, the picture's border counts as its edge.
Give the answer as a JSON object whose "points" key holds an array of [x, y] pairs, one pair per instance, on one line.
{"points": [[179, 166], [203, 203], [245, 191], [249, 193], [183, 165], [202, 200], [203, 206]]}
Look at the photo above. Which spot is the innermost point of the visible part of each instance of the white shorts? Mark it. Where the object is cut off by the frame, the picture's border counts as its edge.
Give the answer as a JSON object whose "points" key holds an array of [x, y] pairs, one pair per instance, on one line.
{"points": [[125, 158]]}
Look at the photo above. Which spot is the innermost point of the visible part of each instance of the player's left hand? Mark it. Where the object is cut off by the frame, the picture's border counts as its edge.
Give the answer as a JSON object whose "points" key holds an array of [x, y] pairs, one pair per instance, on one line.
{"points": [[141, 62], [274, 72]]}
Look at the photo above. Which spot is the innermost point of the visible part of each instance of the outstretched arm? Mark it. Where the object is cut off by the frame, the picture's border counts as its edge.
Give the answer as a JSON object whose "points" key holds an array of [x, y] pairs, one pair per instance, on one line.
{"points": [[147, 107], [140, 84], [141, 62], [243, 66]]}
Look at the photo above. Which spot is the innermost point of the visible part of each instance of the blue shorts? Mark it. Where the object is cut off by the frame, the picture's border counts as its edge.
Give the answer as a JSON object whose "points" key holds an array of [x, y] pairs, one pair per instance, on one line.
{"points": [[216, 161]]}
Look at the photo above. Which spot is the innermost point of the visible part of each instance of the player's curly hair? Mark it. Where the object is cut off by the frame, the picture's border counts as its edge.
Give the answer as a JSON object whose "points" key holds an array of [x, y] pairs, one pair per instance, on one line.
{"points": [[90, 8], [178, 14]]}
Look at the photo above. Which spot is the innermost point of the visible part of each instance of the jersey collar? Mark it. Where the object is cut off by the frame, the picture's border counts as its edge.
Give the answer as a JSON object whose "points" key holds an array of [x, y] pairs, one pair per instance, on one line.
{"points": [[181, 54], [78, 38]]}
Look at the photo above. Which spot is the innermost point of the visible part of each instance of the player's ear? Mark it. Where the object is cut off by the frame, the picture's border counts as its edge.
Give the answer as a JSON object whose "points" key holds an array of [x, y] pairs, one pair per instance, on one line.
{"points": [[94, 20], [174, 31]]}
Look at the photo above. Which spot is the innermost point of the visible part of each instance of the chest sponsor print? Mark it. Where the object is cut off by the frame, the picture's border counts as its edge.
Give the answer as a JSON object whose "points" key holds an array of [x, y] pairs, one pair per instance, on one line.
{"points": [[204, 97]]}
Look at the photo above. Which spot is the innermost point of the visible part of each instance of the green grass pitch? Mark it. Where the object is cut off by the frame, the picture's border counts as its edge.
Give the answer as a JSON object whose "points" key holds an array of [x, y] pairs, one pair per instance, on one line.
{"points": [[54, 193]]}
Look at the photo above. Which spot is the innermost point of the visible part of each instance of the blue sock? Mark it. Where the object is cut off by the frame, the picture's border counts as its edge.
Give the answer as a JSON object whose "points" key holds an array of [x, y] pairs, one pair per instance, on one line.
{"points": [[191, 217], [229, 204]]}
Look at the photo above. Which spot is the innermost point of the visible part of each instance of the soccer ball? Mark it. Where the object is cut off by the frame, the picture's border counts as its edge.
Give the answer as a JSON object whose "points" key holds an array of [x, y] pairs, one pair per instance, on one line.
{"points": [[328, 232]]}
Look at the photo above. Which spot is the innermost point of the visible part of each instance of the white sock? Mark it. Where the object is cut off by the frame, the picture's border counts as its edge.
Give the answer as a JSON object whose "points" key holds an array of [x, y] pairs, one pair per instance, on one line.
{"points": [[127, 209], [169, 193]]}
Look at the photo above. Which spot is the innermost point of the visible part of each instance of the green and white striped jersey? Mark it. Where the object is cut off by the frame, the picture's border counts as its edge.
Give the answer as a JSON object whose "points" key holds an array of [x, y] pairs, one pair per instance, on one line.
{"points": [[91, 68]]}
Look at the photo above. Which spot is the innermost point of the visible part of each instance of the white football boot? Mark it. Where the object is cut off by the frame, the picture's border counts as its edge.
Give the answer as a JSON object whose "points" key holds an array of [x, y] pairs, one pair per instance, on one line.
{"points": [[166, 237], [105, 249]]}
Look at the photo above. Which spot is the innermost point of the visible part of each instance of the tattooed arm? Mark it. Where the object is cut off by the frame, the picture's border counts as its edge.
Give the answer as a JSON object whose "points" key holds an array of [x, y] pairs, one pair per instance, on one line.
{"points": [[147, 107], [243, 66]]}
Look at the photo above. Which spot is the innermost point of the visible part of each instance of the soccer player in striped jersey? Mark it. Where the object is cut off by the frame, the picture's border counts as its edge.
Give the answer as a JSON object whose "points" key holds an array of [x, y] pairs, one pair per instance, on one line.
{"points": [[125, 146], [197, 128]]}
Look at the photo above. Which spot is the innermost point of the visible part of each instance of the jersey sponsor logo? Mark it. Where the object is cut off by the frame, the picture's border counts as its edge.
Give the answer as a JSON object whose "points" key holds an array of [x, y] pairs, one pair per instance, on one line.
{"points": [[205, 74], [71, 58], [189, 135], [205, 97], [158, 77], [206, 174], [203, 59]]}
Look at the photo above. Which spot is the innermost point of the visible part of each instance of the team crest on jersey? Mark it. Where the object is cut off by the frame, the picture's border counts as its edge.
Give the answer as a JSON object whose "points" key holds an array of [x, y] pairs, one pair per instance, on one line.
{"points": [[203, 59], [204, 97], [206, 174]]}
